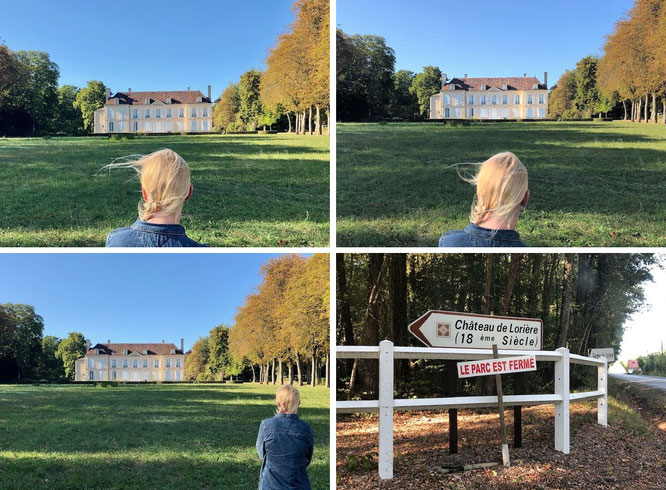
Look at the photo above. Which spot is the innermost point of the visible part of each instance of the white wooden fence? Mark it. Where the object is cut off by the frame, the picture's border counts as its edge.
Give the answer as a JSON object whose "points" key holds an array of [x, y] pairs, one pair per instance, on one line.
{"points": [[386, 404]]}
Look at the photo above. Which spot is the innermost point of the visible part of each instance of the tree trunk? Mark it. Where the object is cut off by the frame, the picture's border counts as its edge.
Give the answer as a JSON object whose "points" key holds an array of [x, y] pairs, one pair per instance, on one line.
{"points": [[298, 369], [281, 374], [328, 120], [646, 108], [663, 109], [328, 374], [273, 371], [397, 276], [253, 375], [291, 372], [566, 301], [510, 282], [654, 107], [376, 268], [318, 121], [314, 367], [310, 120], [633, 110], [624, 106], [489, 274], [352, 380], [639, 112], [261, 374], [343, 308]]}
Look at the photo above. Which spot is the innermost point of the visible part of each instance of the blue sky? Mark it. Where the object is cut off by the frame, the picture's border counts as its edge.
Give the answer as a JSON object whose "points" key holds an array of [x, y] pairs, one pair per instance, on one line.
{"points": [[147, 45], [483, 37], [145, 297]]}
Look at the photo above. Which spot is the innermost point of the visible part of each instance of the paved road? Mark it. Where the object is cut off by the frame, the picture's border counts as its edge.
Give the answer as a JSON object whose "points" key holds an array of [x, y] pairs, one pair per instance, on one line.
{"points": [[651, 381]]}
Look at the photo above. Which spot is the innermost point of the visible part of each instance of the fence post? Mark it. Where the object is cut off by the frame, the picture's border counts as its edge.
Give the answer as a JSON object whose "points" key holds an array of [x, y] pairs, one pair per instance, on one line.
{"points": [[386, 409], [602, 401], [562, 408]]}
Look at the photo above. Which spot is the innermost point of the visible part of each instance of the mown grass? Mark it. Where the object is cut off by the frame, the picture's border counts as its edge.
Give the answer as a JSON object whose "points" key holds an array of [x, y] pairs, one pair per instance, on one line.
{"points": [[153, 436], [249, 190], [592, 183]]}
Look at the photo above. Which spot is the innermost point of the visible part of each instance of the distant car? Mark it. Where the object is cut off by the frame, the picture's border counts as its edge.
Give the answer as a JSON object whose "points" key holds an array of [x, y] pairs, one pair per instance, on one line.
{"points": [[633, 367]]}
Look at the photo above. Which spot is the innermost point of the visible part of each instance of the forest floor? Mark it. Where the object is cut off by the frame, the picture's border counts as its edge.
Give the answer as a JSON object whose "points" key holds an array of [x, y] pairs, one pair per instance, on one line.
{"points": [[249, 190], [145, 436], [592, 183], [629, 453]]}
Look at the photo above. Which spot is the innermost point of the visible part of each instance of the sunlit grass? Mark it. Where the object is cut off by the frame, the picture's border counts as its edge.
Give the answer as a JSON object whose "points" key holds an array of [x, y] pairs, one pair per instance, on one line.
{"points": [[592, 183], [152, 436], [249, 190]]}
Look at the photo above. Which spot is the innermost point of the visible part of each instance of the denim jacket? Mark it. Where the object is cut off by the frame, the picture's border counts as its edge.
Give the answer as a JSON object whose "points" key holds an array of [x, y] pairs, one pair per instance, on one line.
{"points": [[476, 236], [144, 234], [285, 445]]}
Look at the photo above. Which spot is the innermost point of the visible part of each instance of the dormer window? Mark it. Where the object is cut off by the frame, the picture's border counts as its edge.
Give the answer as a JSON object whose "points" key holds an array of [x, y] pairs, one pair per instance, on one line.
{"points": [[168, 101], [125, 352], [535, 86], [505, 87], [96, 351], [147, 101], [116, 101], [145, 352], [484, 87], [173, 351], [199, 99]]}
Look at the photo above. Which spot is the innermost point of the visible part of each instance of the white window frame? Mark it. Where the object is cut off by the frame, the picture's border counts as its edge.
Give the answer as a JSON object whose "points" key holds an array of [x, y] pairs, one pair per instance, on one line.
{"points": [[146, 114], [125, 363], [516, 99], [505, 99], [156, 364], [470, 100], [493, 99], [110, 126], [135, 126], [529, 99], [91, 375], [114, 375], [541, 99], [177, 363], [204, 112], [193, 112], [168, 113], [483, 100], [205, 125], [135, 113], [113, 363], [181, 112], [471, 112], [145, 363], [168, 363], [158, 113]]}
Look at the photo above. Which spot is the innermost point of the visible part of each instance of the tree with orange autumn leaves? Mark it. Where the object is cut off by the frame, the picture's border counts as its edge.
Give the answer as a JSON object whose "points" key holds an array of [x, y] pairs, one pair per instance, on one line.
{"points": [[283, 327]]}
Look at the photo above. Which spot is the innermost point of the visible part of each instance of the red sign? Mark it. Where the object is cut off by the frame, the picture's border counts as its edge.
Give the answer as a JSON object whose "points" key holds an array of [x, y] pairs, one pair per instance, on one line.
{"points": [[504, 365]]}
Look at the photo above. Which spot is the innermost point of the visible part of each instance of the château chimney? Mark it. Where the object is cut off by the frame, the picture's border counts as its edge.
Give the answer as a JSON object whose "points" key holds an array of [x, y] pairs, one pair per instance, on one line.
{"points": [[465, 75], [209, 93], [545, 79], [162, 340], [108, 341], [87, 344], [107, 94], [188, 89], [443, 79], [524, 75], [129, 90], [182, 341]]}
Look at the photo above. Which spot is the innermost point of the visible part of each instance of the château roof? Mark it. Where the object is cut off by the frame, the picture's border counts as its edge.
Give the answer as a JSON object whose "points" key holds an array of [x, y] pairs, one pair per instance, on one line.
{"points": [[177, 97], [118, 349], [512, 83]]}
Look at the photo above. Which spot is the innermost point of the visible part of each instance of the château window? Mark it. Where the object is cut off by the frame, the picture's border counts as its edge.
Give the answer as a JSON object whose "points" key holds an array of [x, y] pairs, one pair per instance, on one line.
{"points": [[145, 363], [471, 112], [193, 113], [135, 126], [168, 115], [446, 112], [483, 100], [156, 364], [470, 100], [205, 125], [125, 363], [447, 100], [177, 362], [111, 126], [91, 375], [135, 113], [113, 363], [135, 364], [147, 114], [505, 99], [168, 363], [181, 112], [540, 98], [114, 375], [529, 99], [158, 113], [493, 100], [516, 99], [205, 112]]}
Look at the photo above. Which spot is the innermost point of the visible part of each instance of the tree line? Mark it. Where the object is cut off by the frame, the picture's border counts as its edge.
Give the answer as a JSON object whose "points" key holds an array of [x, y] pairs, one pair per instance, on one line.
{"points": [[32, 103], [582, 299], [293, 91], [281, 330], [369, 88], [26, 355]]}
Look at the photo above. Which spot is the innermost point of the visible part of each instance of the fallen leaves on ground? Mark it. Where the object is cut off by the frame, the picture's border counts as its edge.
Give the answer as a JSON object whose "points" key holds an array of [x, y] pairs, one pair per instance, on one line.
{"points": [[600, 457]]}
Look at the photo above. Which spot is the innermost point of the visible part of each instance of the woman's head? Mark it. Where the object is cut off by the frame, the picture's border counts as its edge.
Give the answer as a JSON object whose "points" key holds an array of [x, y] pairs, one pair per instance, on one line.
{"points": [[501, 190], [165, 183], [288, 399]]}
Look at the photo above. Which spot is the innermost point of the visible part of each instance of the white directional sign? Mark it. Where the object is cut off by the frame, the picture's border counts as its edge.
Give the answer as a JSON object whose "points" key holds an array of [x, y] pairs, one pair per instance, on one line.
{"points": [[464, 330], [608, 353], [503, 365]]}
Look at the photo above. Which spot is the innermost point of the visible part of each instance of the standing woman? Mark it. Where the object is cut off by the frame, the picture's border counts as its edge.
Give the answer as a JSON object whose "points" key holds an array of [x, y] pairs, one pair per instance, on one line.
{"points": [[285, 444], [501, 194]]}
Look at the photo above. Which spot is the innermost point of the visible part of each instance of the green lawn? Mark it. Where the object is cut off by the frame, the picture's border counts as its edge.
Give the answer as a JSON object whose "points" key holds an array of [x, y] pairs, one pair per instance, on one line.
{"points": [[249, 190], [592, 183], [152, 436]]}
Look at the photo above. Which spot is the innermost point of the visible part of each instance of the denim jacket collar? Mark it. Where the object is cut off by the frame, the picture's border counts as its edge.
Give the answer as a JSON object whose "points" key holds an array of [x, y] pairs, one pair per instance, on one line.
{"points": [[489, 234], [144, 226]]}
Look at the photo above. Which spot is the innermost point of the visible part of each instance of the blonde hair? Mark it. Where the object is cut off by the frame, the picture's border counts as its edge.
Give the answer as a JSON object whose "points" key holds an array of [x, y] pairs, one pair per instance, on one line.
{"points": [[288, 398], [501, 184], [165, 177]]}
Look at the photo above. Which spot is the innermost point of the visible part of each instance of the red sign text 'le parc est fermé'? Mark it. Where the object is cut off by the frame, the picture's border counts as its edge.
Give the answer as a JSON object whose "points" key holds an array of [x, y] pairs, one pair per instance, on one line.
{"points": [[504, 365]]}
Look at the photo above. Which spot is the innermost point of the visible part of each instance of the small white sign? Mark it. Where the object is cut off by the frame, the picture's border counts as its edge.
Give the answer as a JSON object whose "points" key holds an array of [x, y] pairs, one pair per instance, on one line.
{"points": [[465, 330], [608, 353], [503, 365]]}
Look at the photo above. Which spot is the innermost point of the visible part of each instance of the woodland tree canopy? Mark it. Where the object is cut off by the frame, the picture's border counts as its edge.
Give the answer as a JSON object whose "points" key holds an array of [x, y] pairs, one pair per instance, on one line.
{"points": [[582, 299]]}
